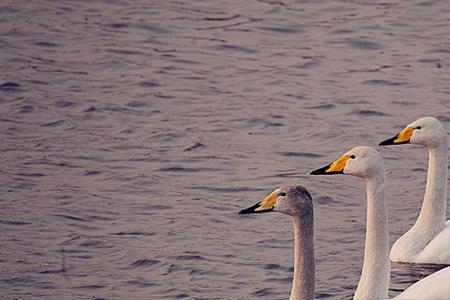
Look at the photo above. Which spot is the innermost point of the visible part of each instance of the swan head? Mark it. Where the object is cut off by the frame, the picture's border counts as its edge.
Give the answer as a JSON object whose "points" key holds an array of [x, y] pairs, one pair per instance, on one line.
{"points": [[293, 200], [361, 161], [427, 131]]}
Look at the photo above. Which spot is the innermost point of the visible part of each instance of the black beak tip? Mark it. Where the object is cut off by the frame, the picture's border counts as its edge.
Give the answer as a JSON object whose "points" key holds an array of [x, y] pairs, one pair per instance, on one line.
{"points": [[388, 141], [243, 212], [249, 210], [320, 171]]}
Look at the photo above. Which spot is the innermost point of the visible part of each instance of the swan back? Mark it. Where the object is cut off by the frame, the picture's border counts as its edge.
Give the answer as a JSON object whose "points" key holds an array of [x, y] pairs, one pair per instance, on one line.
{"points": [[434, 286]]}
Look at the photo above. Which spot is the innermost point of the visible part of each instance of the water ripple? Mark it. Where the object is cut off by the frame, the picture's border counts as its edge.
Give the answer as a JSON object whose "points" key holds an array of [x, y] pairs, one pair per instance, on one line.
{"points": [[142, 263], [384, 82], [368, 113], [10, 86]]}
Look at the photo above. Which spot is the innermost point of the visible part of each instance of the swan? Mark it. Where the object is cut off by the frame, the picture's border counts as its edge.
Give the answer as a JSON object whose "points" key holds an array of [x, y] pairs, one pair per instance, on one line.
{"points": [[366, 162], [295, 201], [428, 241]]}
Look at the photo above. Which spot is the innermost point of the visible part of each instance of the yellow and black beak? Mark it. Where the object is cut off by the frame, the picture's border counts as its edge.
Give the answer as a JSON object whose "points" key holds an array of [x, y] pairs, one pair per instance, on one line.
{"points": [[266, 205], [402, 138], [336, 167]]}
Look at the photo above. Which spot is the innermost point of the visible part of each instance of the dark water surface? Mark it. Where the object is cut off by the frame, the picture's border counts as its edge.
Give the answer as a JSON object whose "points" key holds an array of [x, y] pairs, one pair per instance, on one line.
{"points": [[132, 133]]}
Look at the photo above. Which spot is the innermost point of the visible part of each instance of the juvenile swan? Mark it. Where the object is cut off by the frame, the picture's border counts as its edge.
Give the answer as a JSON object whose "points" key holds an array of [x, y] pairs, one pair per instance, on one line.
{"points": [[295, 201], [366, 162], [428, 241]]}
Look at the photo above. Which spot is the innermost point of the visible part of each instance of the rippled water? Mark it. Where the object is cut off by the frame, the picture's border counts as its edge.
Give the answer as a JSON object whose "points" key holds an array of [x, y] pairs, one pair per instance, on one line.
{"points": [[132, 132]]}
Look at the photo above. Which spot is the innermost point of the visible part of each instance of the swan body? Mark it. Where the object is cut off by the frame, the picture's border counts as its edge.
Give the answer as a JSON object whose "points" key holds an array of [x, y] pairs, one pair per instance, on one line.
{"points": [[428, 241], [434, 287], [366, 162], [438, 249]]}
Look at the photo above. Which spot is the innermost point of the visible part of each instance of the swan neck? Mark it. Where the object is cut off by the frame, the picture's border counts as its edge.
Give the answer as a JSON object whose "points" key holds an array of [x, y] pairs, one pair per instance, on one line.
{"points": [[304, 268], [374, 281], [433, 212]]}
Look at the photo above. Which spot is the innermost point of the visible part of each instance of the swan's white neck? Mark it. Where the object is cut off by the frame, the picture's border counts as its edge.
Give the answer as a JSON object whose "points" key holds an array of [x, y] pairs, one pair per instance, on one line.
{"points": [[304, 273], [374, 281], [432, 215]]}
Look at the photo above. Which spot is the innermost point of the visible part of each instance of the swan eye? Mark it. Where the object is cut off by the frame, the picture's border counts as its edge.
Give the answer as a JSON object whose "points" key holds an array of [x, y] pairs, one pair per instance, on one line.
{"points": [[283, 194], [352, 156], [419, 127]]}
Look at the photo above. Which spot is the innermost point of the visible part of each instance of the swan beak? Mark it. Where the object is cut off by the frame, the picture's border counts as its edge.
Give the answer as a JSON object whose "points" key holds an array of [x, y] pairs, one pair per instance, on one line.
{"points": [[336, 167], [266, 205], [402, 138]]}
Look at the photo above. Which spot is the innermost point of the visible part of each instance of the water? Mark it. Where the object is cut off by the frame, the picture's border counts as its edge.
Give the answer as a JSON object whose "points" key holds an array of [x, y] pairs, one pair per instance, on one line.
{"points": [[132, 133]]}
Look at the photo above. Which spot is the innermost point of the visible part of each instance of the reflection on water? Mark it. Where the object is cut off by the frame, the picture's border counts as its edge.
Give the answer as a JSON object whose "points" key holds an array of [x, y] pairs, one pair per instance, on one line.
{"points": [[132, 133]]}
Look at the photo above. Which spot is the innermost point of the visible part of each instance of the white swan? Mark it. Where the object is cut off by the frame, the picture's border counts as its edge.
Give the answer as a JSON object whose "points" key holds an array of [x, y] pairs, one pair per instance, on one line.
{"points": [[428, 241], [366, 162]]}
